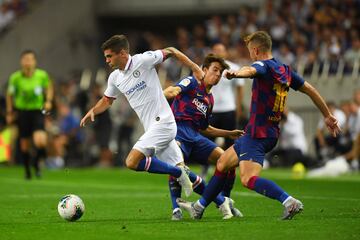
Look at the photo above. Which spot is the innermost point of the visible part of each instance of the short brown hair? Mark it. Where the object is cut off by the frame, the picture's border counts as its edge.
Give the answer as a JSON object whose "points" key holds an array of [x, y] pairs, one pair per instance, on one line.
{"points": [[116, 43], [214, 58], [261, 38], [26, 52]]}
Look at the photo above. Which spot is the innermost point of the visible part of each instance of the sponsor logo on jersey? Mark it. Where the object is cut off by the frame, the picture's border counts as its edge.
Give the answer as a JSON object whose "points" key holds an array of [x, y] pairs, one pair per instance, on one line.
{"points": [[138, 87], [200, 106], [242, 154]]}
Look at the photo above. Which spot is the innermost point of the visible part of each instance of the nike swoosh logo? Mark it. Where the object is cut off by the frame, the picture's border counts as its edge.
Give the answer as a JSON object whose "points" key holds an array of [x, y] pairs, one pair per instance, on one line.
{"points": [[242, 154], [199, 95]]}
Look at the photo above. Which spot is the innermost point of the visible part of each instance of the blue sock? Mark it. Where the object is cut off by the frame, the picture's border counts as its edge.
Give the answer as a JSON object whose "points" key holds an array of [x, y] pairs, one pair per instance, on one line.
{"points": [[229, 183], [267, 188], [213, 188], [154, 165], [199, 186], [175, 191]]}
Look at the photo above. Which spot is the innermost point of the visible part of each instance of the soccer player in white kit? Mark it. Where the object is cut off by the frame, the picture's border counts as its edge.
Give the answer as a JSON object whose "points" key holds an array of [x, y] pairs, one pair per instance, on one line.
{"points": [[136, 77]]}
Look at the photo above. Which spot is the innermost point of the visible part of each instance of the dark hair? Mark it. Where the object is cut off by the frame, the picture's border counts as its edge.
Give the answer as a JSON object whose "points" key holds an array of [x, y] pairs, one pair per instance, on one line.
{"points": [[210, 58], [116, 43], [261, 38], [216, 42], [27, 51]]}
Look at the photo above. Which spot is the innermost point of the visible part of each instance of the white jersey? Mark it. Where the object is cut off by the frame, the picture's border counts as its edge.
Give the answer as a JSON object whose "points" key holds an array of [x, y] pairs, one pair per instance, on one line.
{"points": [[224, 92], [292, 133], [140, 84]]}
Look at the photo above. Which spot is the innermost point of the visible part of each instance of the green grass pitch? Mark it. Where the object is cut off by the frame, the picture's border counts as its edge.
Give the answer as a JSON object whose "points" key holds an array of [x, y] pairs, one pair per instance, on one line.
{"points": [[121, 204]]}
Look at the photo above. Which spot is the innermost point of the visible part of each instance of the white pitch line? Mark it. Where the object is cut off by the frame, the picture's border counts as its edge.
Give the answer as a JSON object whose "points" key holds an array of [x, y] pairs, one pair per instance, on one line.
{"points": [[131, 186], [88, 195]]}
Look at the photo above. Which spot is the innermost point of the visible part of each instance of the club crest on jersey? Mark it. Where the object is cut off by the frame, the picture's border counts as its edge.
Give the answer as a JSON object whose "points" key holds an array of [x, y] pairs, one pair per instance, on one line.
{"points": [[136, 73], [200, 106]]}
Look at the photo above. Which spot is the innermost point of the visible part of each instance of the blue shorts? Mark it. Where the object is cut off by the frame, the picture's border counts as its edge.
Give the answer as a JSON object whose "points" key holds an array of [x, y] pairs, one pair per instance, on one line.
{"points": [[193, 145], [253, 149]]}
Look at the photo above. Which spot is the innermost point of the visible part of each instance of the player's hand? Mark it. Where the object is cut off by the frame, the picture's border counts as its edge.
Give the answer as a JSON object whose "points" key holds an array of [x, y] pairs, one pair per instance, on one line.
{"points": [[332, 125], [229, 74], [234, 134], [90, 116]]}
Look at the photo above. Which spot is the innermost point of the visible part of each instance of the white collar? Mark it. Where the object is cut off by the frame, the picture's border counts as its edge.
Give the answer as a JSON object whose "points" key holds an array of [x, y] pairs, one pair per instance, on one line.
{"points": [[128, 64]]}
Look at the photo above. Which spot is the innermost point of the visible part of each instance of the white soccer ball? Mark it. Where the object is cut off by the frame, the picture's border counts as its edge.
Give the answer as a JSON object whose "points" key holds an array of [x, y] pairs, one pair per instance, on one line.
{"points": [[71, 207]]}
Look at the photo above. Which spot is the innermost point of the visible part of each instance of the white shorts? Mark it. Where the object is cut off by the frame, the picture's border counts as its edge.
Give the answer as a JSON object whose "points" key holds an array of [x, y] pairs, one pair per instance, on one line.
{"points": [[159, 140]]}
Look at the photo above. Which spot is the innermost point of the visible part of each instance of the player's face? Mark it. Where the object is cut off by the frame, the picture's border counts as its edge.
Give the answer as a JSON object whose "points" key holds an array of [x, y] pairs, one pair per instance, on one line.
{"points": [[28, 61], [213, 74], [115, 60]]}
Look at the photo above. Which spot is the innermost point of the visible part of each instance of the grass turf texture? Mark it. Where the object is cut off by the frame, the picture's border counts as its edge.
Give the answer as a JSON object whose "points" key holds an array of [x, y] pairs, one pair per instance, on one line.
{"points": [[121, 204]]}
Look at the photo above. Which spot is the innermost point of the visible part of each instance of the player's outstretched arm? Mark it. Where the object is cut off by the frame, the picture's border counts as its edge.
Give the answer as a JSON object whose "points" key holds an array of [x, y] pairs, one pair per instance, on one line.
{"points": [[173, 52], [103, 104], [172, 92], [244, 72], [330, 121], [211, 131]]}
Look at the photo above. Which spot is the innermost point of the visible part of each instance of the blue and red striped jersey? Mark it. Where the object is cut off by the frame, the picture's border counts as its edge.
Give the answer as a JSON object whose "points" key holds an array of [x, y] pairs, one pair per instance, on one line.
{"points": [[193, 104], [269, 92]]}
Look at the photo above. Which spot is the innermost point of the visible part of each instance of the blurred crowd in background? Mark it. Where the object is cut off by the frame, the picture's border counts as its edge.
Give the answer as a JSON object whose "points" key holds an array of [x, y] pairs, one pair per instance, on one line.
{"points": [[10, 10], [303, 32]]}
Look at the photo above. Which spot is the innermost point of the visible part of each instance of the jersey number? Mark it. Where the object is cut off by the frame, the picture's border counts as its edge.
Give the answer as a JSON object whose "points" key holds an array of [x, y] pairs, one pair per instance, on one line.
{"points": [[280, 99]]}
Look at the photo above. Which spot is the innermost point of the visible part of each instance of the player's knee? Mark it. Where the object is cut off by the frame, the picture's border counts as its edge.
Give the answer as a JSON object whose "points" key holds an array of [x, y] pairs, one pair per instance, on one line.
{"points": [[248, 181], [215, 155], [244, 180], [40, 139], [222, 166]]}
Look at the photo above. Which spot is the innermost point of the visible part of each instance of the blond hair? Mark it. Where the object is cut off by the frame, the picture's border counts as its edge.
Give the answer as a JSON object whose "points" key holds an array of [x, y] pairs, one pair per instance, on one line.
{"points": [[261, 38]]}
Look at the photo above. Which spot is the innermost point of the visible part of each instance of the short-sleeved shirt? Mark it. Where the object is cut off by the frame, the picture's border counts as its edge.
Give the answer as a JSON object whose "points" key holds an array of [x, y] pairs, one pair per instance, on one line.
{"points": [[224, 91], [140, 84], [28, 92], [269, 92], [194, 104]]}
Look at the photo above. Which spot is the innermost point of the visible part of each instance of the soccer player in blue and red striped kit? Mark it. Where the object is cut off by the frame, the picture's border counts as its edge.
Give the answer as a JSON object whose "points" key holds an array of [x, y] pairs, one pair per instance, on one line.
{"points": [[192, 108], [271, 82]]}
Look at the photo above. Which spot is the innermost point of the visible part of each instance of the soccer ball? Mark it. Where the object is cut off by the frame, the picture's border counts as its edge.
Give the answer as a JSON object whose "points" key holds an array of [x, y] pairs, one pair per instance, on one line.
{"points": [[71, 207], [298, 171]]}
